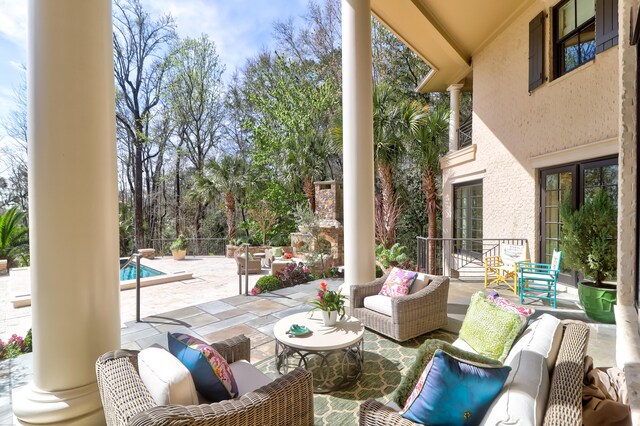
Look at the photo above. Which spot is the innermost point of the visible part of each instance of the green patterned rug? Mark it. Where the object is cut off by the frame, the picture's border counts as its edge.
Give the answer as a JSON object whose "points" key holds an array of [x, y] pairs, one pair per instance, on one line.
{"points": [[385, 361]]}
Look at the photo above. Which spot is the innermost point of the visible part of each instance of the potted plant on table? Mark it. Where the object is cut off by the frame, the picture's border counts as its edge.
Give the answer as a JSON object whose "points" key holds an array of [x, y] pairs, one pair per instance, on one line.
{"points": [[589, 245], [330, 303], [179, 247]]}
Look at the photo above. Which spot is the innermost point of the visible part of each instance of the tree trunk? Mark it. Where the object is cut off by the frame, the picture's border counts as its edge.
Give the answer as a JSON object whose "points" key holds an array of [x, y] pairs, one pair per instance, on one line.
{"points": [[309, 189], [385, 172], [138, 211], [230, 207], [431, 197], [177, 183]]}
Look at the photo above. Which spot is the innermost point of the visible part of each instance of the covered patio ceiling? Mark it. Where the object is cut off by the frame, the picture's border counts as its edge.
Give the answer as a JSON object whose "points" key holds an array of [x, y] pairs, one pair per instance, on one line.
{"points": [[446, 34]]}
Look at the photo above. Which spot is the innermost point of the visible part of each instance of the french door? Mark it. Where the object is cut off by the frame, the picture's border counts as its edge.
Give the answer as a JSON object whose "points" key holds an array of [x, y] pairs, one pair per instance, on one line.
{"points": [[578, 181]]}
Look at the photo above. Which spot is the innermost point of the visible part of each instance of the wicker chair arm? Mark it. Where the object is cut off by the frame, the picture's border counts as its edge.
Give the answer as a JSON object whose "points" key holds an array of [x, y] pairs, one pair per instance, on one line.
{"points": [[374, 413], [234, 349], [360, 291], [286, 401], [437, 292], [122, 392]]}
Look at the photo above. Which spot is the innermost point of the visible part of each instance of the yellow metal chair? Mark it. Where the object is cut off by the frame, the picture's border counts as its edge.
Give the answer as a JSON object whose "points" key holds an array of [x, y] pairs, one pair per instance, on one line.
{"points": [[505, 266]]}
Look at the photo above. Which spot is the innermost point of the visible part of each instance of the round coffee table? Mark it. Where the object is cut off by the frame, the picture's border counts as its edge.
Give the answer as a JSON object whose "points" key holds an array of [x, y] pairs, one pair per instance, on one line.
{"points": [[334, 354]]}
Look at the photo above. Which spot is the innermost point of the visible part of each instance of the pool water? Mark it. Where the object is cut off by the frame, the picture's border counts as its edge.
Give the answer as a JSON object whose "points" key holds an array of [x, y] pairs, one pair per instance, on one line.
{"points": [[129, 273]]}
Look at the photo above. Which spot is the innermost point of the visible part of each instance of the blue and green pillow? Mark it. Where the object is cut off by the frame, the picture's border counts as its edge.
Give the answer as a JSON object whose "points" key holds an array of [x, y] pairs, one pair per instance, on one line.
{"points": [[453, 391], [210, 371]]}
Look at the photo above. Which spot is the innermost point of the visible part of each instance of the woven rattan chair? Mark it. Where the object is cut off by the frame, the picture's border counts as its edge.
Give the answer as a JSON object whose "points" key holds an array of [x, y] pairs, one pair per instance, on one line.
{"points": [[288, 400], [411, 315], [564, 406]]}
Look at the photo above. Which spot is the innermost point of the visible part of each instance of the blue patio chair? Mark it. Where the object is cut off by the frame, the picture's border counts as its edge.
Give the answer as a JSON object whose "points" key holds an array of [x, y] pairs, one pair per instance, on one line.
{"points": [[538, 280]]}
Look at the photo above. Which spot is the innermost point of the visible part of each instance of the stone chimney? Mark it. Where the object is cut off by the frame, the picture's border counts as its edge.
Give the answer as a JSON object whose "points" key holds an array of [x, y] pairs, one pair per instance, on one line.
{"points": [[329, 203]]}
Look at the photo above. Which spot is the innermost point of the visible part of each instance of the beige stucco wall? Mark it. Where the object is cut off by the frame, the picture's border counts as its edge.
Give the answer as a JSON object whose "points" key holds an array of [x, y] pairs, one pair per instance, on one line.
{"points": [[516, 132]]}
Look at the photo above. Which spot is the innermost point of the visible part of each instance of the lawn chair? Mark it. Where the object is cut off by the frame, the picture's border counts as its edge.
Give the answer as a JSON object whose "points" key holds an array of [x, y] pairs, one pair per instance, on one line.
{"points": [[538, 280], [505, 266]]}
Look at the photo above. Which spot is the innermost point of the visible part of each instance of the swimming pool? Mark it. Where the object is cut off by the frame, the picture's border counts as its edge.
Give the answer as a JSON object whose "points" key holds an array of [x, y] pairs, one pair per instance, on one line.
{"points": [[129, 273]]}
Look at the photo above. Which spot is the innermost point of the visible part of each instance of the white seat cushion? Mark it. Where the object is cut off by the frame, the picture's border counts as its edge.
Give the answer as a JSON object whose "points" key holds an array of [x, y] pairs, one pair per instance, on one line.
{"points": [[542, 336], [461, 344], [248, 377], [541, 277], [166, 378], [523, 398], [378, 303]]}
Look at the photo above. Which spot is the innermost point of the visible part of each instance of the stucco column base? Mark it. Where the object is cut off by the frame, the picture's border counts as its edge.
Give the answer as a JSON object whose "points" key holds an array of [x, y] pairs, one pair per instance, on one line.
{"points": [[79, 406]]}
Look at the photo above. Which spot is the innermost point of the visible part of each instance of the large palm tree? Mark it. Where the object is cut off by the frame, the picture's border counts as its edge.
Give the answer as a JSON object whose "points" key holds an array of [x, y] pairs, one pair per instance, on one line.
{"points": [[430, 144], [14, 236], [394, 122]]}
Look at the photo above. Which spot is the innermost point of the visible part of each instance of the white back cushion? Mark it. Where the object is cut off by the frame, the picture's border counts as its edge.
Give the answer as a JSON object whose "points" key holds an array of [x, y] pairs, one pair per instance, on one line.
{"points": [[461, 344], [420, 282], [248, 377], [378, 303], [542, 336], [166, 378]]}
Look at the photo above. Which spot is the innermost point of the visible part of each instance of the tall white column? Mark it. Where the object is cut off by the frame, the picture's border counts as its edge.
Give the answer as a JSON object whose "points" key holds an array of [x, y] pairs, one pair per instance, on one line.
{"points": [[454, 116], [73, 209], [357, 124]]}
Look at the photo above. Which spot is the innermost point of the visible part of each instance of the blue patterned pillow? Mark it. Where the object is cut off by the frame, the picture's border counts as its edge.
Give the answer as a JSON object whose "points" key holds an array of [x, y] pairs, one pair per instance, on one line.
{"points": [[454, 392], [210, 371]]}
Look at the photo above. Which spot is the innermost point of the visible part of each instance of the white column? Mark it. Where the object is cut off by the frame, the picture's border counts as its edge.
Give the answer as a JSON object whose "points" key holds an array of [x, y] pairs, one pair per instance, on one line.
{"points": [[357, 124], [73, 209], [454, 116]]}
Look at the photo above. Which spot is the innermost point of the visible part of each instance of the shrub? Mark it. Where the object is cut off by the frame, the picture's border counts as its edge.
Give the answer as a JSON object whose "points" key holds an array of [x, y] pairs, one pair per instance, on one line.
{"points": [[180, 243], [15, 346], [294, 273], [266, 284], [394, 256]]}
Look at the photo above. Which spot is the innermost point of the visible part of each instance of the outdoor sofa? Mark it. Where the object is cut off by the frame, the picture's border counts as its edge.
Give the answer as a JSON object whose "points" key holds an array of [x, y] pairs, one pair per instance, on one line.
{"points": [[285, 401], [423, 310]]}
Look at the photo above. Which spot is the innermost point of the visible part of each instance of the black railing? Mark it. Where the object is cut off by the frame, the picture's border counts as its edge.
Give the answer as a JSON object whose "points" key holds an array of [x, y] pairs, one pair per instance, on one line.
{"points": [[197, 246], [464, 134], [459, 257]]}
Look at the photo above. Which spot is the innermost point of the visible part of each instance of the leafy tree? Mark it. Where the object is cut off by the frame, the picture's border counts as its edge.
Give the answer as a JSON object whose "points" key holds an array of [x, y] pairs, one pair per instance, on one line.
{"points": [[14, 236], [429, 144]]}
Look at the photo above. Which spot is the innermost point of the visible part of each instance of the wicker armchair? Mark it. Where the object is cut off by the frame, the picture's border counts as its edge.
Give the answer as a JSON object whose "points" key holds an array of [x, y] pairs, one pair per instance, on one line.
{"points": [[288, 400], [411, 315], [564, 404]]}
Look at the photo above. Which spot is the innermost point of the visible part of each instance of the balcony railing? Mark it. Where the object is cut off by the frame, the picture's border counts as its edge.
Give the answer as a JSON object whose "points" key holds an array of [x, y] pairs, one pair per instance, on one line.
{"points": [[459, 257], [197, 246], [464, 134]]}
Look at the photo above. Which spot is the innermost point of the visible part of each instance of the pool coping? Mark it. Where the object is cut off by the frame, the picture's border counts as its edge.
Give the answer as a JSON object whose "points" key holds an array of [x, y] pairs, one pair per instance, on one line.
{"points": [[24, 300]]}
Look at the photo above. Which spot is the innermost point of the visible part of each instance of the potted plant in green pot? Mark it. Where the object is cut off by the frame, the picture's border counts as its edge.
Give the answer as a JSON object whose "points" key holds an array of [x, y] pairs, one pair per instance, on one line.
{"points": [[179, 248], [589, 245]]}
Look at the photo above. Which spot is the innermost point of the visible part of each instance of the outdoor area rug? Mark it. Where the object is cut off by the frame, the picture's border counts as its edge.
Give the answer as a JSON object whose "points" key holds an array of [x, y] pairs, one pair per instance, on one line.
{"points": [[385, 361]]}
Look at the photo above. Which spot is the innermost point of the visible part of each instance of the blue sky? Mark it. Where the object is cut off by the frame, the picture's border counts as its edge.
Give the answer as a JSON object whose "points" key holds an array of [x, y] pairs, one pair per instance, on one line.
{"points": [[240, 28]]}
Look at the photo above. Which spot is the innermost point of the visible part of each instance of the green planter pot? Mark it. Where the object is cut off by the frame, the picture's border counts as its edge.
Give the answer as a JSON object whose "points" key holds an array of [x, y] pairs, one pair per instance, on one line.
{"points": [[598, 302]]}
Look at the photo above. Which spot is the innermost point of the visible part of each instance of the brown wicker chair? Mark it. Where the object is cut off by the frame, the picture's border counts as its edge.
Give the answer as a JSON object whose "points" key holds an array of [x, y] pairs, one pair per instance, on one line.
{"points": [[564, 406], [288, 400], [411, 316]]}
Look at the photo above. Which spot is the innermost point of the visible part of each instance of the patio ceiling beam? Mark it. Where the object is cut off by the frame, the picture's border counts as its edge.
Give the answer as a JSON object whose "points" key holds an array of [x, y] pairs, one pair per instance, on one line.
{"points": [[73, 209]]}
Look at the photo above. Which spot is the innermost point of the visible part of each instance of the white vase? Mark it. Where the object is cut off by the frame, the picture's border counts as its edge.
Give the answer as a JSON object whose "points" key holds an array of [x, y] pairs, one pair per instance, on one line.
{"points": [[330, 317]]}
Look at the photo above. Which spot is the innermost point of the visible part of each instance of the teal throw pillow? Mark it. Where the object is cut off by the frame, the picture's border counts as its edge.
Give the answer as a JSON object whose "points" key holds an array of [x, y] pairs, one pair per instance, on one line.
{"points": [[423, 357], [454, 392], [489, 329]]}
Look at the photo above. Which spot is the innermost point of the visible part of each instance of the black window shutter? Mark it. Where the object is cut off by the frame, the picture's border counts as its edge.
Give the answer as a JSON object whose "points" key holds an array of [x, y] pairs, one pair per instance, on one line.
{"points": [[536, 51], [606, 24]]}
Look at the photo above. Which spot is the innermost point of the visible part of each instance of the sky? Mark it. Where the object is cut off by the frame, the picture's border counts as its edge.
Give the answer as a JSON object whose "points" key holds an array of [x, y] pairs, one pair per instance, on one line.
{"points": [[240, 29]]}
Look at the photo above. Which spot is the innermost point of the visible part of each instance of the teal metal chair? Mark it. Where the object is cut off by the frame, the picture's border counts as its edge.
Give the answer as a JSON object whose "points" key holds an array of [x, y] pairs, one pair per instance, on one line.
{"points": [[538, 280]]}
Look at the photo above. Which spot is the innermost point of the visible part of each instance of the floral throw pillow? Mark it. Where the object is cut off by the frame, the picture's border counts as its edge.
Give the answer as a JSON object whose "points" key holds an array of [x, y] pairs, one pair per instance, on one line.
{"points": [[398, 283], [211, 373]]}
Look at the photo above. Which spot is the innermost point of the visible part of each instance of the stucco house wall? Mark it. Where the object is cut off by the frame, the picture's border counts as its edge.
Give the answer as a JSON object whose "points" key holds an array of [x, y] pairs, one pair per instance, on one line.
{"points": [[574, 117]]}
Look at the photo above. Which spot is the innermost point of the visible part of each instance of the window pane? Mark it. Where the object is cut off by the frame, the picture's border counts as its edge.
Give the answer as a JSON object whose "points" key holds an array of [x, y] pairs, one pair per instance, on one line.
{"points": [[566, 18], [588, 44], [592, 178], [552, 182], [570, 54], [566, 180], [552, 214], [586, 10], [610, 175]]}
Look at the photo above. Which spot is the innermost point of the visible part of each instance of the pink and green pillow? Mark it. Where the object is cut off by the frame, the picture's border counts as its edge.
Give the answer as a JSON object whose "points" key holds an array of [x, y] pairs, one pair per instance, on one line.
{"points": [[453, 391], [210, 371], [398, 282]]}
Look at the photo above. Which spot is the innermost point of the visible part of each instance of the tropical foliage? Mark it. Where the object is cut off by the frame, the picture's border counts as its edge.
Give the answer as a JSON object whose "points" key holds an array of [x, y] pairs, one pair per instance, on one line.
{"points": [[14, 237]]}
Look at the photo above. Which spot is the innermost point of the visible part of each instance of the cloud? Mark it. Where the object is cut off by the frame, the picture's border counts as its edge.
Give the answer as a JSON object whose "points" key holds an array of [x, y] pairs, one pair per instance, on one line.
{"points": [[13, 21]]}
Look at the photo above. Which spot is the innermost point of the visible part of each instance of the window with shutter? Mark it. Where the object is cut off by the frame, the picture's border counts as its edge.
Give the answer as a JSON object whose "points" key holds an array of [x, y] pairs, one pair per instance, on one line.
{"points": [[536, 51], [574, 34], [606, 24]]}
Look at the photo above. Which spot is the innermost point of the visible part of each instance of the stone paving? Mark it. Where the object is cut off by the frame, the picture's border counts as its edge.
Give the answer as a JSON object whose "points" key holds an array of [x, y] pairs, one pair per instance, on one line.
{"points": [[209, 307]]}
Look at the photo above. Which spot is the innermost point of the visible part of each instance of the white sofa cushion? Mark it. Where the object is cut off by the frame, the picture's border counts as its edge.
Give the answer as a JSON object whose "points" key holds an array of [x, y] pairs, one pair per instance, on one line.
{"points": [[378, 303], [542, 336], [248, 378], [523, 398], [166, 378], [420, 282]]}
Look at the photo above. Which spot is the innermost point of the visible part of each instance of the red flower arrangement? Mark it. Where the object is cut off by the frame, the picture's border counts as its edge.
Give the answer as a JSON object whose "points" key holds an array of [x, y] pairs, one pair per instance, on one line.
{"points": [[288, 256]]}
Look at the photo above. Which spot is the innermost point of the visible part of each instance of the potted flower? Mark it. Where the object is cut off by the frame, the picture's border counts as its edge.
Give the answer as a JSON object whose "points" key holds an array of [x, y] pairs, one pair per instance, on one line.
{"points": [[331, 303], [179, 247], [589, 245]]}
